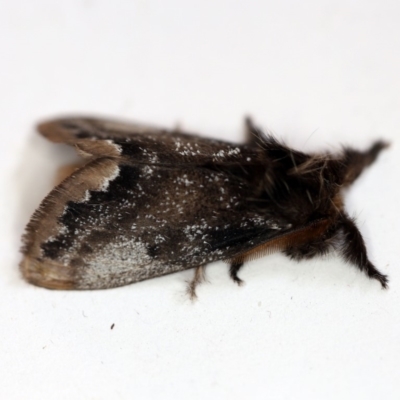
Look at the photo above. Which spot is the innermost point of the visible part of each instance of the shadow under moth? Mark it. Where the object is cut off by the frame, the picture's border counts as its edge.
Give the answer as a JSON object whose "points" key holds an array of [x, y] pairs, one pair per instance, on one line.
{"points": [[148, 202]]}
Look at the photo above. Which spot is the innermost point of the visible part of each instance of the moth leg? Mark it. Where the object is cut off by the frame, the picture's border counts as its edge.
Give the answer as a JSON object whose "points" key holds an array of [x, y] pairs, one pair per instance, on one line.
{"points": [[353, 250], [233, 270], [356, 161], [199, 277]]}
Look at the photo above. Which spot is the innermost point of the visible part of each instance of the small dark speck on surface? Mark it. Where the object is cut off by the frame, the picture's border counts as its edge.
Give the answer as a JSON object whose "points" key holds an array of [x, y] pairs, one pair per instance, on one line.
{"points": [[112, 326]]}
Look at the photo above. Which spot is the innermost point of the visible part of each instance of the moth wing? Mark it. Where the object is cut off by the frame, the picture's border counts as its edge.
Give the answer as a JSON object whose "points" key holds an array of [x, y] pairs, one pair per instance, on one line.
{"points": [[73, 129], [113, 223], [145, 144]]}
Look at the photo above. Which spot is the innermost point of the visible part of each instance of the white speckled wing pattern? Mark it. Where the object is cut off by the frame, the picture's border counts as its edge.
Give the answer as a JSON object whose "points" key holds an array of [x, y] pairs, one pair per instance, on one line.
{"points": [[149, 202], [142, 144], [152, 221]]}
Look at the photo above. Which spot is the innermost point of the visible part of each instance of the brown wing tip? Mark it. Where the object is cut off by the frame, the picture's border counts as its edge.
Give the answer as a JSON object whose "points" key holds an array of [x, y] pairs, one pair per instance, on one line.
{"points": [[53, 130], [61, 130], [47, 274]]}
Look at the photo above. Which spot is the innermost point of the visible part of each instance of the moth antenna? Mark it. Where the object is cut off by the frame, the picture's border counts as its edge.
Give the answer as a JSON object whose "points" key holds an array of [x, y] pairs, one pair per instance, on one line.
{"points": [[354, 251]]}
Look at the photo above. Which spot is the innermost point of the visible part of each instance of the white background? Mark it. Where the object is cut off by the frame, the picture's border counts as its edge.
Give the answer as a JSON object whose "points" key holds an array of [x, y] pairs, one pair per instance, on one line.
{"points": [[316, 73]]}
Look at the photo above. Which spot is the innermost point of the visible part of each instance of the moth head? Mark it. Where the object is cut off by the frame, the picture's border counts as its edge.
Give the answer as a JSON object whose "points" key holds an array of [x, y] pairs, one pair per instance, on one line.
{"points": [[302, 186]]}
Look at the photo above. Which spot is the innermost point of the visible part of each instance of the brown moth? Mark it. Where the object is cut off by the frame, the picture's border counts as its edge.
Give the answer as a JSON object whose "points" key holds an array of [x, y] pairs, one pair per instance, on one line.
{"points": [[149, 202]]}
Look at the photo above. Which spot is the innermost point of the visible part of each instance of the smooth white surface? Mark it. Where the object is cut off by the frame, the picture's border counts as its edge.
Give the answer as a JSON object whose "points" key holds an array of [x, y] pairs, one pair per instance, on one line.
{"points": [[317, 73]]}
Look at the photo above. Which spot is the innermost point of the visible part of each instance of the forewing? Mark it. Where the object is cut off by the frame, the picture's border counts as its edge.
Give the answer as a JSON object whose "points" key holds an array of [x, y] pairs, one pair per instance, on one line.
{"points": [[146, 144], [112, 223]]}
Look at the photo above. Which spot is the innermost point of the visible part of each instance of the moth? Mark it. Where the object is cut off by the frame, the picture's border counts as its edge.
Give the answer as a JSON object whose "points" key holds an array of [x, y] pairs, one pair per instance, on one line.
{"points": [[148, 202]]}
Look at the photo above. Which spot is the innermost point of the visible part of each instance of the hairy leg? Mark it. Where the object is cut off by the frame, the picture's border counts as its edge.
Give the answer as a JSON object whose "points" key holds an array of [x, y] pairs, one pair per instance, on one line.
{"points": [[233, 270], [199, 276], [353, 250]]}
